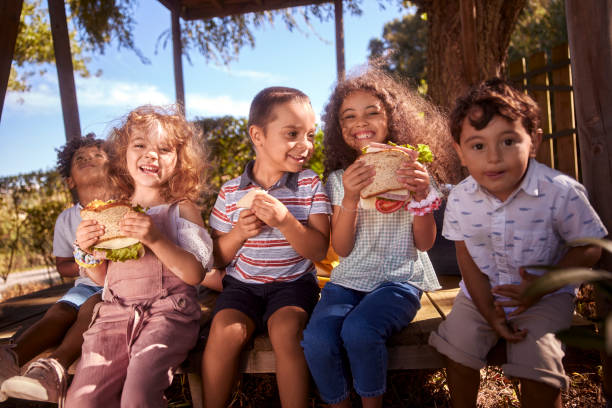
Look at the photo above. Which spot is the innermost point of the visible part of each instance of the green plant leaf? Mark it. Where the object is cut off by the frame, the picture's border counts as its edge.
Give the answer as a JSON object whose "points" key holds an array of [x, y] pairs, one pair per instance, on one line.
{"points": [[556, 278], [604, 243]]}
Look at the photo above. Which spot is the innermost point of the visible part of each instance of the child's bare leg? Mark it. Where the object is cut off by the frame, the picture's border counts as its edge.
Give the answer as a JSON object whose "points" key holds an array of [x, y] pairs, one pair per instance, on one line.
{"points": [[539, 395], [463, 383], [46, 332], [343, 404], [229, 332], [285, 328], [70, 348], [372, 402]]}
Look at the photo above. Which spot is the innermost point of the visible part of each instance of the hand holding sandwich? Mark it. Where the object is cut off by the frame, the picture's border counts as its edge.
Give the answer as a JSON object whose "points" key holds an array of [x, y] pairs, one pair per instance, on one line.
{"points": [[356, 176], [415, 178]]}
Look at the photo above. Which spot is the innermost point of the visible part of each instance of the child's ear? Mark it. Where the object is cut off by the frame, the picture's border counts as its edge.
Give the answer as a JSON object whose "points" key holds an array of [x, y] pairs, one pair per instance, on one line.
{"points": [[459, 153], [536, 140], [70, 183], [256, 134]]}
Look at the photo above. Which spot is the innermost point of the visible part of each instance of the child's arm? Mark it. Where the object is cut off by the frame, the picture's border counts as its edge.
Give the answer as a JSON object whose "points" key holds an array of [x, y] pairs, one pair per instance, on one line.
{"points": [[584, 256], [479, 288], [415, 178], [311, 240], [344, 218], [66, 267], [87, 234], [227, 244], [181, 262]]}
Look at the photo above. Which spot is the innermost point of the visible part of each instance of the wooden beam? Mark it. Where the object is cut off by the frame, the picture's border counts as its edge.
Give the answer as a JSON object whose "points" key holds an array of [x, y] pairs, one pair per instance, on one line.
{"points": [[10, 10], [468, 40], [209, 10], [589, 26], [339, 40], [65, 73], [177, 53]]}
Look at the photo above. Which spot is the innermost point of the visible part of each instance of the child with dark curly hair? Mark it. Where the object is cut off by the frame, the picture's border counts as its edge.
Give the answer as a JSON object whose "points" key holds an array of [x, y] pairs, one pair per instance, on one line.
{"points": [[376, 288], [83, 163]]}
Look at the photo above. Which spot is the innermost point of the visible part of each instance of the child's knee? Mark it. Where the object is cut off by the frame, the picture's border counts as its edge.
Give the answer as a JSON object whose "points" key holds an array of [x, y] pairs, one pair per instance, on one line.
{"points": [[62, 311]]}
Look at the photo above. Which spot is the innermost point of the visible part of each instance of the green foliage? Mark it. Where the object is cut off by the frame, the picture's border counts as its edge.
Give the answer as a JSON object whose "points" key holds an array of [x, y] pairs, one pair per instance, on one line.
{"points": [[29, 205], [541, 26]]}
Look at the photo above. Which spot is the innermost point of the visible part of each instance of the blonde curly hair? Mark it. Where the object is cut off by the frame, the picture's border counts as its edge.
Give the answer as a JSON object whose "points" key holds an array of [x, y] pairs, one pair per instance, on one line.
{"points": [[188, 180]]}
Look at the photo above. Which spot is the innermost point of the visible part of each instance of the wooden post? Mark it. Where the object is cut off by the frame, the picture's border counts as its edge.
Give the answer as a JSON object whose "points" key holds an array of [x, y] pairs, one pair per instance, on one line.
{"points": [[545, 154], [177, 49], [468, 40], [63, 63], [566, 146], [10, 10], [339, 40], [589, 29], [590, 37]]}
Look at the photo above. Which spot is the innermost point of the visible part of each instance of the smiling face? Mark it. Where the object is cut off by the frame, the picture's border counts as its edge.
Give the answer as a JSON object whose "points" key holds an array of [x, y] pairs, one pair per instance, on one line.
{"points": [[363, 119], [497, 156], [150, 158], [287, 141], [89, 165]]}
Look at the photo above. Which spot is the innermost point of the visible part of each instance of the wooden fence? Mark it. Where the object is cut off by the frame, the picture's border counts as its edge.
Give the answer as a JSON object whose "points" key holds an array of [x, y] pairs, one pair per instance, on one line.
{"points": [[547, 77]]}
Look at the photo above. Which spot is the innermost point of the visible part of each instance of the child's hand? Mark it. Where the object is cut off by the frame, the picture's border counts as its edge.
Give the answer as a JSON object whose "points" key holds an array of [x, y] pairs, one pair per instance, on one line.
{"points": [[504, 328], [140, 226], [87, 234], [355, 178], [269, 210], [514, 292], [248, 225], [414, 176]]}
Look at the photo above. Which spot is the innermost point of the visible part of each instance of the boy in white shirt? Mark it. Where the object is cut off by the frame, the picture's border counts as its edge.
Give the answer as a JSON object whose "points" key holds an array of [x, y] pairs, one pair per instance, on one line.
{"points": [[510, 212], [83, 162]]}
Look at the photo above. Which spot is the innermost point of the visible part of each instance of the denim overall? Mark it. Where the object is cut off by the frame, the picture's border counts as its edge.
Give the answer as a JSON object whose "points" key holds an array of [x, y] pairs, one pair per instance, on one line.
{"points": [[140, 333]]}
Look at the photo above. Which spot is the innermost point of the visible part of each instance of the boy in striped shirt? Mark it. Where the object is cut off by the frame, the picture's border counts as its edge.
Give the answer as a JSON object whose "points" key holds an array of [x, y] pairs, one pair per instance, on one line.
{"points": [[267, 250]]}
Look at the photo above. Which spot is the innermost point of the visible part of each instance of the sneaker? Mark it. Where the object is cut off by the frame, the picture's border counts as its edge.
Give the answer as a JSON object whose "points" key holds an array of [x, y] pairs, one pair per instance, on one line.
{"points": [[44, 380], [9, 365]]}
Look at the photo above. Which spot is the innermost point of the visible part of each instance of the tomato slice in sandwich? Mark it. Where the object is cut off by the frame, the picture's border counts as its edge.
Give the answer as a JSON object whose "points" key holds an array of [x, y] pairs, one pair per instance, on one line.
{"points": [[388, 206]]}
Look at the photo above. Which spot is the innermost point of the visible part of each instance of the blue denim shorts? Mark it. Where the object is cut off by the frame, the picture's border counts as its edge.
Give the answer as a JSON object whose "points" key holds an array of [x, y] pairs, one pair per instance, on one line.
{"points": [[77, 295]]}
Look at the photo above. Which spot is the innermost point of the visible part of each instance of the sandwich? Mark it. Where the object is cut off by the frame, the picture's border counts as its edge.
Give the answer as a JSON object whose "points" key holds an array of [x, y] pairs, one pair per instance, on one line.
{"points": [[113, 244], [246, 201], [386, 193]]}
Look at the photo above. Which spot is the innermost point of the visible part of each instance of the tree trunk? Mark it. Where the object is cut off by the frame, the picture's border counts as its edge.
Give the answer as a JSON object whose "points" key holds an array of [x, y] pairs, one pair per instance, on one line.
{"points": [[492, 23]]}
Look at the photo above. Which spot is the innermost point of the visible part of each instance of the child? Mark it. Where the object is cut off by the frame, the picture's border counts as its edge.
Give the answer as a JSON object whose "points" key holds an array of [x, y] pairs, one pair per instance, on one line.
{"points": [[376, 288], [149, 317], [83, 162], [532, 213], [267, 250]]}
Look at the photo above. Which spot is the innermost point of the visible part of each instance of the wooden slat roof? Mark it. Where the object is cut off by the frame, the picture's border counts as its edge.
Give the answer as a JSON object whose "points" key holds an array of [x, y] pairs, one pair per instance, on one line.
{"points": [[204, 9]]}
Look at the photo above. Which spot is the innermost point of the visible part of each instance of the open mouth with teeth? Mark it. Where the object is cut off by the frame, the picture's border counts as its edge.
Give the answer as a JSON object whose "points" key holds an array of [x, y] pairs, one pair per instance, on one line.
{"points": [[364, 135], [149, 169]]}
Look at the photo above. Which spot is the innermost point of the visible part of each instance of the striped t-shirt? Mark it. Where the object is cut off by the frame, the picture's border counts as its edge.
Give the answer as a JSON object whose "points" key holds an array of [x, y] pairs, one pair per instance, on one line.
{"points": [[268, 257]]}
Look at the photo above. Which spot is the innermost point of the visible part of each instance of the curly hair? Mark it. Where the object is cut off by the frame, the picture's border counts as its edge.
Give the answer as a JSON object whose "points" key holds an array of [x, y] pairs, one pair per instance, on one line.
{"points": [[411, 119], [67, 151], [188, 181], [494, 97]]}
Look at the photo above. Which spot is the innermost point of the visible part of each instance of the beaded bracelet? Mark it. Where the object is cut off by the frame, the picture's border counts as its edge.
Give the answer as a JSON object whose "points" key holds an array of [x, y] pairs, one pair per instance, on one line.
{"points": [[427, 205], [84, 259]]}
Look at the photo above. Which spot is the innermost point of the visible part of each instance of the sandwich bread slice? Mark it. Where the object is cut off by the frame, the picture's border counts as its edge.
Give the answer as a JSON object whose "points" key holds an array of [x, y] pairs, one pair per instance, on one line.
{"points": [[109, 213]]}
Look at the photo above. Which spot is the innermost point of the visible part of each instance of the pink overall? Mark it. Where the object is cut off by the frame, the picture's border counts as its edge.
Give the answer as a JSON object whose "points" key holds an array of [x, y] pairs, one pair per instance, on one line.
{"points": [[140, 333]]}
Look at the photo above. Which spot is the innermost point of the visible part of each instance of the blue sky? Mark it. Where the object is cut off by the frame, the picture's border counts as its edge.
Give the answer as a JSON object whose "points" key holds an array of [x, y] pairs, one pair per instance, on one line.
{"points": [[31, 126]]}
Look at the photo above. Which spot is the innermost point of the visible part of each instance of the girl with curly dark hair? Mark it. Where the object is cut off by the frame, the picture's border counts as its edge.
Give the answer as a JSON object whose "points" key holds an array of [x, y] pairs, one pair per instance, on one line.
{"points": [[376, 288]]}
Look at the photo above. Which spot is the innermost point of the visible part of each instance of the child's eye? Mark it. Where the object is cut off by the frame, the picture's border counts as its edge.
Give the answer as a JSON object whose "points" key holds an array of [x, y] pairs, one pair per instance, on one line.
{"points": [[292, 133], [373, 113], [478, 146], [508, 142]]}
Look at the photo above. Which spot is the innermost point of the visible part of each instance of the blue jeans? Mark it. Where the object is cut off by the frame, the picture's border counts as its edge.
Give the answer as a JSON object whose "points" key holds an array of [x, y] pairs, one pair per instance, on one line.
{"points": [[347, 333]]}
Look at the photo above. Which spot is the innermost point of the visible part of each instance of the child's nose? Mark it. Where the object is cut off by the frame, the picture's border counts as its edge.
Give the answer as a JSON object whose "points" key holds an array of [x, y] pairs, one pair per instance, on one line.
{"points": [[494, 155]]}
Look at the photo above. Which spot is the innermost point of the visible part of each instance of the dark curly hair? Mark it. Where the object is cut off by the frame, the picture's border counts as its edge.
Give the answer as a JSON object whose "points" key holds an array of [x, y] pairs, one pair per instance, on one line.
{"points": [[411, 119], [494, 97], [67, 151], [189, 178]]}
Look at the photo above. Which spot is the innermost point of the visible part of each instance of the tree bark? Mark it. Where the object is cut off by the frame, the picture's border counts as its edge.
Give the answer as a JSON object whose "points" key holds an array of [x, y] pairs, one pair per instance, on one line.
{"points": [[447, 70]]}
